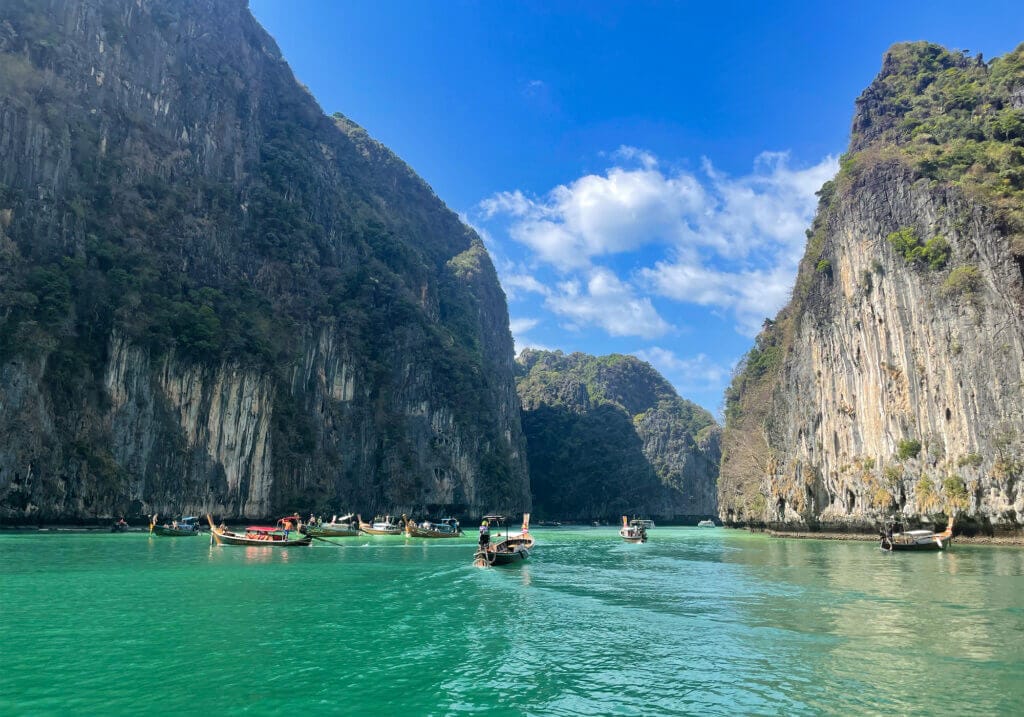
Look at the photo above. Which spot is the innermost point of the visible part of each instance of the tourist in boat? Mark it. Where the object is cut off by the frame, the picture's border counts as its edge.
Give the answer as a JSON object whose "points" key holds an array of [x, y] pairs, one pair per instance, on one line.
{"points": [[485, 534]]}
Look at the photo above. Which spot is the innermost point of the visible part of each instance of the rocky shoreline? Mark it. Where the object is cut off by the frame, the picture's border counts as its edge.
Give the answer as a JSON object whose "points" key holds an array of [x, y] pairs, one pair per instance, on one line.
{"points": [[1011, 539]]}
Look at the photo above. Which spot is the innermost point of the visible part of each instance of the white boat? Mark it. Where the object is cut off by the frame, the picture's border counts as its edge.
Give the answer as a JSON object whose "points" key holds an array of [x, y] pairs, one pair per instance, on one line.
{"points": [[343, 527], [634, 531], [381, 525], [895, 538], [706, 524]]}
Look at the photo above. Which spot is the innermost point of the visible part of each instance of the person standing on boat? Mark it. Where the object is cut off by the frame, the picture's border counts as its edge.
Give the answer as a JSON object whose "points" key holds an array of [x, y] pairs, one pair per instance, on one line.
{"points": [[485, 534]]}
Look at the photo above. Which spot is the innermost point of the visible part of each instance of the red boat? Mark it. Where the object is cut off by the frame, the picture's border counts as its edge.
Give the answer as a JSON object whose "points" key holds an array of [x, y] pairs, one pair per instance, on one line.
{"points": [[283, 535]]}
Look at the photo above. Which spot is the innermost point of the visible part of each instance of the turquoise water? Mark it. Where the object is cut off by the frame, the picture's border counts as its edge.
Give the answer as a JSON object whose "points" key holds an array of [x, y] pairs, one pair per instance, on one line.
{"points": [[697, 621]]}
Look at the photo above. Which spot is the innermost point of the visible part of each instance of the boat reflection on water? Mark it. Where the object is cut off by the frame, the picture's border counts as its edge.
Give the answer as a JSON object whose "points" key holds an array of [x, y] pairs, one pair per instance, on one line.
{"points": [[259, 555]]}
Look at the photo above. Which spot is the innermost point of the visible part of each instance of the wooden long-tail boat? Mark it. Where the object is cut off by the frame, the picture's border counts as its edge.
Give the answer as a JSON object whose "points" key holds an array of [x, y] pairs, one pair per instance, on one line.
{"points": [[895, 538], [177, 528], [381, 525], [634, 531], [282, 535], [343, 527], [443, 528], [512, 548]]}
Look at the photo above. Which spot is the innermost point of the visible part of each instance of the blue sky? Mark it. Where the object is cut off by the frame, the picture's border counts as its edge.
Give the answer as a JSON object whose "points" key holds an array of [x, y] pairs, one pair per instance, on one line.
{"points": [[642, 172]]}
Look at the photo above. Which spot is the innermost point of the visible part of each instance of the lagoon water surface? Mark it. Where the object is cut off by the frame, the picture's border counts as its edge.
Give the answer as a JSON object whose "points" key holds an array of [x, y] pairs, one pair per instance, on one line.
{"points": [[696, 621]]}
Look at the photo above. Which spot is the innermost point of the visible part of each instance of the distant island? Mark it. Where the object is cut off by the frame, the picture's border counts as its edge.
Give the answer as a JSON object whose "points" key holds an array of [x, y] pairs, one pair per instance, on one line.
{"points": [[608, 436]]}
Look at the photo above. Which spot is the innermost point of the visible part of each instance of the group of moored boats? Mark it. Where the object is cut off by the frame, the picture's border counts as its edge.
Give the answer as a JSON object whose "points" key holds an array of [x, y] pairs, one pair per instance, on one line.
{"points": [[291, 531], [512, 547]]}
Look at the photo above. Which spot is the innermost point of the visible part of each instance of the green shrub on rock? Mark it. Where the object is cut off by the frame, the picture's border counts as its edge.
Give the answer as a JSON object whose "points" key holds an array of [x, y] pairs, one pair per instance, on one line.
{"points": [[962, 281], [935, 252], [908, 448]]}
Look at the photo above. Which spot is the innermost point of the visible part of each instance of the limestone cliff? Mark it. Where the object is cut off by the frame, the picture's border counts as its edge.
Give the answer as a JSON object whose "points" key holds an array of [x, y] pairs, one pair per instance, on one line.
{"points": [[215, 297], [893, 379], [608, 436]]}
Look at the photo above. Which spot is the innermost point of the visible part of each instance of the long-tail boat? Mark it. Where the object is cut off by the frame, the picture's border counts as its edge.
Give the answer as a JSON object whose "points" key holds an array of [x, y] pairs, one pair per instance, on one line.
{"points": [[343, 527], [633, 531], [176, 528], [282, 535], [512, 548], [443, 528], [381, 525], [894, 537]]}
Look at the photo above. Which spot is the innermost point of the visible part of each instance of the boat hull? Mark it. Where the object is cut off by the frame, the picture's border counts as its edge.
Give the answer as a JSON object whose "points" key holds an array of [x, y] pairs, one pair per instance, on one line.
{"points": [[325, 532], [379, 531], [930, 545], [172, 532], [412, 532], [233, 539], [508, 558], [508, 551]]}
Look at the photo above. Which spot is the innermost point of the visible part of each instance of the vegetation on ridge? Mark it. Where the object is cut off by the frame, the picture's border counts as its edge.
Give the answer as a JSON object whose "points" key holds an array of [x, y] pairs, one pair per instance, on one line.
{"points": [[165, 180], [952, 118], [931, 113]]}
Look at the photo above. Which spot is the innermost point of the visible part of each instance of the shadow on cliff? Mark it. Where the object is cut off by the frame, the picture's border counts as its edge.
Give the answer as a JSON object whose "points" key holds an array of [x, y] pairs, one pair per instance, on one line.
{"points": [[591, 465]]}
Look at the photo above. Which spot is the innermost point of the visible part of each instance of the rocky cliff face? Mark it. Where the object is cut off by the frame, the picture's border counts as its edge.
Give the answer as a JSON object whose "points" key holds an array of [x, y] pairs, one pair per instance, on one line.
{"points": [[214, 297], [608, 436], [893, 379]]}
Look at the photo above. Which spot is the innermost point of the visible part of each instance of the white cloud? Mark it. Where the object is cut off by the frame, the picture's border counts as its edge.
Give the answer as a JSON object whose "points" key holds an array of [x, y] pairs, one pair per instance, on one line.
{"points": [[751, 295], [522, 342], [521, 326], [607, 302], [773, 205], [514, 203], [620, 211], [686, 373], [634, 154], [515, 283], [728, 243]]}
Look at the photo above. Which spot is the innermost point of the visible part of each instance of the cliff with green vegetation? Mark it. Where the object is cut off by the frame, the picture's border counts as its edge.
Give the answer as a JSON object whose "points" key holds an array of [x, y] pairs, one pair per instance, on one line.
{"points": [[608, 436], [214, 297], [892, 380]]}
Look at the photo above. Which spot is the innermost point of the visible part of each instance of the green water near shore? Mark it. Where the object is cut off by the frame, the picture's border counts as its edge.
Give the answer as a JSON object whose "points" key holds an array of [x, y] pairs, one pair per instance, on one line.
{"points": [[697, 621]]}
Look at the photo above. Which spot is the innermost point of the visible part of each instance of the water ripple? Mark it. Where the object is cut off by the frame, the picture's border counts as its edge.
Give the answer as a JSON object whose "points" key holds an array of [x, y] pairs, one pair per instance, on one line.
{"points": [[695, 621]]}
